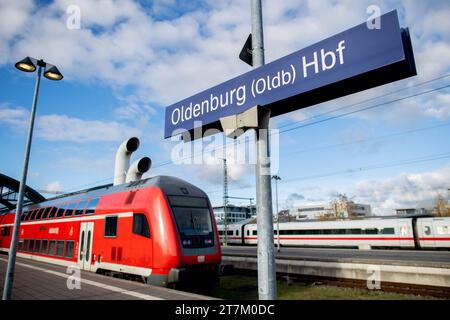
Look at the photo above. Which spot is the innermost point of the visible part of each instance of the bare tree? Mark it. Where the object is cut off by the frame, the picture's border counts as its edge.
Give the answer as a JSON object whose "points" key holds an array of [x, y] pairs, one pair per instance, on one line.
{"points": [[442, 209]]}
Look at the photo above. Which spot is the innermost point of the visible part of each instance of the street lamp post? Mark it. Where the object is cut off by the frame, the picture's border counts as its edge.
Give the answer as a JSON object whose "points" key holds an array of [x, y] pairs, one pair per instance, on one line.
{"points": [[51, 72], [276, 178]]}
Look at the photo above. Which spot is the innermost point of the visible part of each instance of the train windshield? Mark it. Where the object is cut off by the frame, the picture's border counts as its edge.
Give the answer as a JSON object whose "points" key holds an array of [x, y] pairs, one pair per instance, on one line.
{"points": [[193, 219]]}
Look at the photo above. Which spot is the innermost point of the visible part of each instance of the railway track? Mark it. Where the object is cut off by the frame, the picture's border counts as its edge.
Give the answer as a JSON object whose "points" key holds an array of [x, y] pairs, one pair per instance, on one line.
{"points": [[420, 290]]}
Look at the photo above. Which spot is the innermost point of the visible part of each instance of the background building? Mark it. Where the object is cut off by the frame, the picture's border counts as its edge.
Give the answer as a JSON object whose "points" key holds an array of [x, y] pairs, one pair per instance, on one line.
{"points": [[406, 211], [234, 213], [342, 208]]}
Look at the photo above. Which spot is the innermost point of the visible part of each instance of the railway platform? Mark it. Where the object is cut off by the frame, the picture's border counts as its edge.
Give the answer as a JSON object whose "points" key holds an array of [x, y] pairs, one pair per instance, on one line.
{"points": [[430, 269], [35, 280]]}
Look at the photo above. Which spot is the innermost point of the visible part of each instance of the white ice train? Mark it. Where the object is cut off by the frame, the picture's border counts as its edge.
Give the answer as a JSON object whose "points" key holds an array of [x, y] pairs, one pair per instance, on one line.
{"points": [[413, 233]]}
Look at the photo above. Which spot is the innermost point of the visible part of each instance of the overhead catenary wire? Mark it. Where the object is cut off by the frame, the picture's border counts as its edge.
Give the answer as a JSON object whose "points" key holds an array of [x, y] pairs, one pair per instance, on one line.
{"points": [[358, 169], [170, 162]]}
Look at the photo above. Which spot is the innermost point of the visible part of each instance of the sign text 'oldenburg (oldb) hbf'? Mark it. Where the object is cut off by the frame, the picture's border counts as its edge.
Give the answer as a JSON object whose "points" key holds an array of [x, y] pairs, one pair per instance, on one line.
{"points": [[351, 61]]}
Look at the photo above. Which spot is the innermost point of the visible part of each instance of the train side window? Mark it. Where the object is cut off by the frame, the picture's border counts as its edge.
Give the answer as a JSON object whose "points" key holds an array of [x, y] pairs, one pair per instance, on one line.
{"points": [[31, 245], [255, 232], [25, 245], [61, 210], [33, 215], [37, 246], [140, 225], [29, 213], [59, 248], [53, 212], [80, 208], [111, 226], [20, 245], [69, 249], [46, 212], [427, 230], [90, 209], [248, 232], [44, 246], [51, 248], [70, 209], [39, 214]]}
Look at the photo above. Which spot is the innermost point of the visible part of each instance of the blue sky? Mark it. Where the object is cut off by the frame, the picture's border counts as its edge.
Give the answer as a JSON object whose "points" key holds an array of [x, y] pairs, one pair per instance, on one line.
{"points": [[129, 60]]}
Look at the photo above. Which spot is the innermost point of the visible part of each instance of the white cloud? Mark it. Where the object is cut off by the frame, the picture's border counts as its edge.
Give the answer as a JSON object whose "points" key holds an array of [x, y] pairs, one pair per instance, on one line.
{"points": [[54, 186], [13, 117], [124, 43], [408, 190], [56, 127], [64, 128]]}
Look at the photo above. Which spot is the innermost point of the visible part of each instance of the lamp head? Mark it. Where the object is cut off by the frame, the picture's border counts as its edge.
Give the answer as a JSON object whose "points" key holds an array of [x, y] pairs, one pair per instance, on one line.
{"points": [[26, 65], [52, 73]]}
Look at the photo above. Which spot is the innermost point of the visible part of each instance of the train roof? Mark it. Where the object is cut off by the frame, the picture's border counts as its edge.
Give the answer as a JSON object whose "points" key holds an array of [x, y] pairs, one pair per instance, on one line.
{"points": [[168, 184]]}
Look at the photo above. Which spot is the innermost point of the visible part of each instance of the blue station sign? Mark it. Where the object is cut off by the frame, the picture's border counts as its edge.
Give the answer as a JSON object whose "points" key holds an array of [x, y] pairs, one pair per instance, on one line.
{"points": [[351, 61]]}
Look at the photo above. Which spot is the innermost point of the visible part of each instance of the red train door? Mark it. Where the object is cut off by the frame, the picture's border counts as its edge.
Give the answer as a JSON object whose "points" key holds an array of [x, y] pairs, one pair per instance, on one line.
{"points": [[85, 245]]}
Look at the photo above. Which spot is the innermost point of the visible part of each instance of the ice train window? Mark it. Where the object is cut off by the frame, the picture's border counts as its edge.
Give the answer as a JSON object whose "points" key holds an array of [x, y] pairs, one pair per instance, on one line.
{"points": [[427, 230]]}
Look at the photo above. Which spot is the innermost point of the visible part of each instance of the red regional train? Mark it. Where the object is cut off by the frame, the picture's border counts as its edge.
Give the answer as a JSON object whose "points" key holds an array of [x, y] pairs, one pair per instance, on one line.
{"points": [[161, 229]]}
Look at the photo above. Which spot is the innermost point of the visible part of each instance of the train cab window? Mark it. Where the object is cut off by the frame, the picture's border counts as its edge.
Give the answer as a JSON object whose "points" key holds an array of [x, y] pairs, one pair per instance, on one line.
{"points": [[140, 225], [37, 246], [70, 209], [90, 209], [111, 226], [51, 248], [59, 248], [69, 249], [80, 208], [44, 246], [61, 210], [53, 211]]}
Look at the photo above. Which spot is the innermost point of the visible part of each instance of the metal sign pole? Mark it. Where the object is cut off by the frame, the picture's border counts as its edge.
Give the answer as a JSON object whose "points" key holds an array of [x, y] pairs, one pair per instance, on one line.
{"points": [[9, 279], [266, 260]]}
